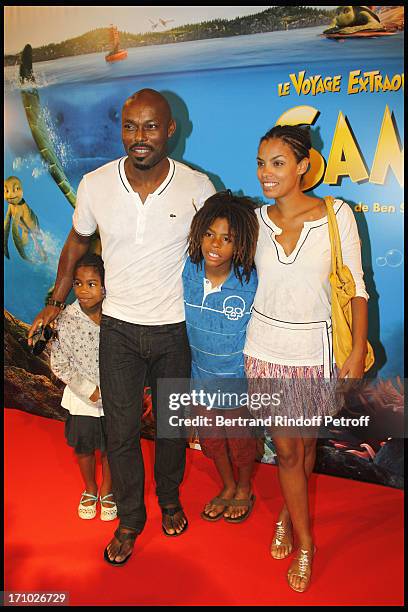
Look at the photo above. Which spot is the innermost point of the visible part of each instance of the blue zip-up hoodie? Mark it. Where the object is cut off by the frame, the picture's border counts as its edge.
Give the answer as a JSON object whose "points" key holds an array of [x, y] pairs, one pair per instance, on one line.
{"points": [[216, 323]]}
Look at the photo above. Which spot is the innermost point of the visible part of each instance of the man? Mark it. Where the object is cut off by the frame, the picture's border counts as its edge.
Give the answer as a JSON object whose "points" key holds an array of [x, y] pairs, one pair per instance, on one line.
{"points": [[143, 205]]}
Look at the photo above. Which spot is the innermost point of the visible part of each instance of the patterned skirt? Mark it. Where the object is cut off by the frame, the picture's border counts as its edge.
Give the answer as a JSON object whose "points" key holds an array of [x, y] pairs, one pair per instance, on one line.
{"points": [[296, 391]]}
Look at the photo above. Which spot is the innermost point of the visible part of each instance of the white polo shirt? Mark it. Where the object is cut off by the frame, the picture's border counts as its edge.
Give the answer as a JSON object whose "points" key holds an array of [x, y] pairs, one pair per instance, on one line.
{"points": [[144, 246]]}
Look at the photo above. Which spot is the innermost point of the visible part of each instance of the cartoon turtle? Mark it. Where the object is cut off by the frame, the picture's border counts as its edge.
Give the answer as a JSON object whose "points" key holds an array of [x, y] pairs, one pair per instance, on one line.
{"points": [[23, 218], [350, 19]]}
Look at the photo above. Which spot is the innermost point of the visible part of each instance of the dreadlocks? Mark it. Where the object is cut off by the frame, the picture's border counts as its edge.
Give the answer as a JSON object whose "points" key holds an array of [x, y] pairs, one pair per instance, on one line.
{"points": [[243, 226]]}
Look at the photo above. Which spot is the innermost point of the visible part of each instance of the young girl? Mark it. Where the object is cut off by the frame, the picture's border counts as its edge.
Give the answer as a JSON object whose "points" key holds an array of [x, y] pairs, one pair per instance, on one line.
{"points": [[219, 287], [75, 360], [289, 335]]}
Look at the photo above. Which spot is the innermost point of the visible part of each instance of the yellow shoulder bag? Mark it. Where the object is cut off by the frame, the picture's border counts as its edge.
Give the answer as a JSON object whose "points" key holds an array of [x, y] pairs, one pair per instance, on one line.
{"points": [[343, 288]]}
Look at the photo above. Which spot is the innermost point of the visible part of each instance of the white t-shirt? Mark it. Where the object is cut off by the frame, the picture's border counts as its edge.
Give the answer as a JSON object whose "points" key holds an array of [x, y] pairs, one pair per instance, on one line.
{"points": [[144, 245], [291, 317]]}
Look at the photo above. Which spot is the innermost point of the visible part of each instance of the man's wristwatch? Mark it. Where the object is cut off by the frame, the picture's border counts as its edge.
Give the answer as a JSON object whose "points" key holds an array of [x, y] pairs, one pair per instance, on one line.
{"points": [[51, 302]]}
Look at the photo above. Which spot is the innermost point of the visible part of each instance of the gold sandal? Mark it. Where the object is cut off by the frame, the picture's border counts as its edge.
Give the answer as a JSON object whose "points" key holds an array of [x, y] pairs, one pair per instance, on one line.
{"points": [[304, 572], [280, 534]]}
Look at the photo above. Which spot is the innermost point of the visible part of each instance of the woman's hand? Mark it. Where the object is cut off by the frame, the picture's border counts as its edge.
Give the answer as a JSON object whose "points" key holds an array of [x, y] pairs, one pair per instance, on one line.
{"points": [[352, 370], [353, 367]]}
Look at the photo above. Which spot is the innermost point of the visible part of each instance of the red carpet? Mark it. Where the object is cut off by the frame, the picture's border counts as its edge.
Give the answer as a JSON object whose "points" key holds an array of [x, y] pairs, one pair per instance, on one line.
{"points": [[358, 530]]}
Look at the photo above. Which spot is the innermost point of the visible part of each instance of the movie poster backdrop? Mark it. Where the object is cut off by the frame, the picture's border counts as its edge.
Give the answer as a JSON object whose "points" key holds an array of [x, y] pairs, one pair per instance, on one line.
{"points": [[63, 119]]}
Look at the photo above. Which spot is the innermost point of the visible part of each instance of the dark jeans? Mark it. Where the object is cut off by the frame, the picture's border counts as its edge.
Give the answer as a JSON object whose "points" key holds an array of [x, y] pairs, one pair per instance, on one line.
{"points": [[127, 354]]}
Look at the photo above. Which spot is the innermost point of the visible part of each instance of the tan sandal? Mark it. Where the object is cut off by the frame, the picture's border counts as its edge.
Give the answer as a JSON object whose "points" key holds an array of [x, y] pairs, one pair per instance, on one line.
{"points": [[216, 501], [248, 503], [278, 540], [305, 569]]}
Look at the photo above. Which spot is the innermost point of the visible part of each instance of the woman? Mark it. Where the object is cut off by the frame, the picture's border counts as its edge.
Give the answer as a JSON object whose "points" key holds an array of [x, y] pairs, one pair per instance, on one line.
{"points": [[289, 335]]}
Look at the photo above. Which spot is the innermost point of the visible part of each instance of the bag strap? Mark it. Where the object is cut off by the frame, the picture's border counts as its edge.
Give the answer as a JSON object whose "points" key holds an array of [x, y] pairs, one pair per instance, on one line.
{"points": [[337, 258]]}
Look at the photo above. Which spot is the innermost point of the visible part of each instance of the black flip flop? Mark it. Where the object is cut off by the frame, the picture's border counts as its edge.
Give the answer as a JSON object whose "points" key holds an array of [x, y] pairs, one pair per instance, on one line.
{"points": [[122, 537], [171, 512]]}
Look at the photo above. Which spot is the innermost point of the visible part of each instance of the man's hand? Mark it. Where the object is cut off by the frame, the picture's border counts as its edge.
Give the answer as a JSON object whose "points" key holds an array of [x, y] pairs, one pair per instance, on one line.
{"points": [[48, 314], [74, 248]]}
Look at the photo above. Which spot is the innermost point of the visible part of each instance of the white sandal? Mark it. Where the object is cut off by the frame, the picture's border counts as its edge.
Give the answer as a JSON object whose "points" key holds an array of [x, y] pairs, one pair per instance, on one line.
{"points": [[87, 512], [108, 513]]}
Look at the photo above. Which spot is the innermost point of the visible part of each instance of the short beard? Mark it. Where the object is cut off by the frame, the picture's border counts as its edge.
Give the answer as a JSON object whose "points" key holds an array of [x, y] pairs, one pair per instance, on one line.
{"points": [[143, 166]]}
